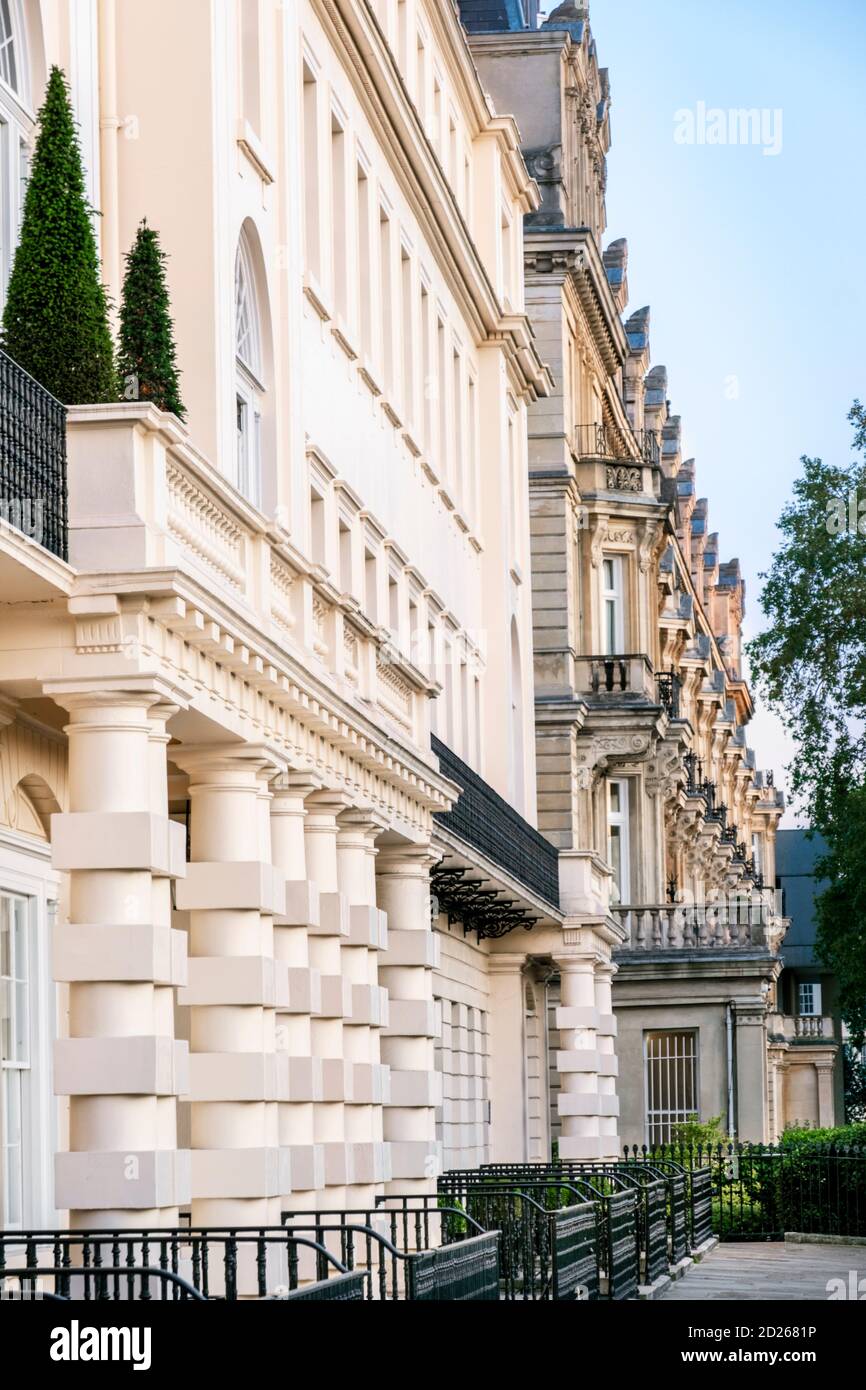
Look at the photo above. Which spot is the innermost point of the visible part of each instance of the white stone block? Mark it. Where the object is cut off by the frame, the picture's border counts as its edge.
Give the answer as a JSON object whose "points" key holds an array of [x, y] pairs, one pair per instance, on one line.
{"points": [[580, 1060], [229, 980], [414, 1088], [338, 1167], [574, 1147], [305, 1079], [336, 1001], [371, 1163], [115, 840], [236, 1172], [250, 885], [570, 1018], [127, 954], [371, 1083], [416, 1159], [411, 1018], [229, 1076], [134, 1066], [298, 989], [306, 1167], [302, 906], [414, 948], [370, 1005], [607, 1026], [364, 926], [334, 916], [135, 1181], [336, 1079]]}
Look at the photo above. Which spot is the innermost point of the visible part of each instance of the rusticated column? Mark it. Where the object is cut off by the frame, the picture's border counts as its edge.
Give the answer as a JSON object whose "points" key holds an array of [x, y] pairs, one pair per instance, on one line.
{"points": [[120, 1065], [299, 997], [368, 934], [231, 893], [582, 1065], [606, 1032], [333, 1071], [507, 1058], [406, 970]]}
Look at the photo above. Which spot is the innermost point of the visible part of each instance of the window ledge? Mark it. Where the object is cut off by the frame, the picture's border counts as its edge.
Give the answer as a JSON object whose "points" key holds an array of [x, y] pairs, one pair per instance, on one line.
{"points": [[250, 145]]}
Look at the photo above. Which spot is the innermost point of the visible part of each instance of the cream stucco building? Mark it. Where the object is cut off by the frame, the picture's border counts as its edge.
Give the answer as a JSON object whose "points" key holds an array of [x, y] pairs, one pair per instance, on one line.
{"points": [[352, 734]]}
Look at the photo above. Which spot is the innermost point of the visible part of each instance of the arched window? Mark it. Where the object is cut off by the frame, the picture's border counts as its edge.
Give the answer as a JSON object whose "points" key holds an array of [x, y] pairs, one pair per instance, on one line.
{"points": [[248, 378], [16, 127]]}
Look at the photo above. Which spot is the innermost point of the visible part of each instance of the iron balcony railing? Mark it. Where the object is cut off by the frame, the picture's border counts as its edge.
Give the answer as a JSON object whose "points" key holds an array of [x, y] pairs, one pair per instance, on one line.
{"points": [[669, 688], [612, 445], [33, 486], [485, 821]]}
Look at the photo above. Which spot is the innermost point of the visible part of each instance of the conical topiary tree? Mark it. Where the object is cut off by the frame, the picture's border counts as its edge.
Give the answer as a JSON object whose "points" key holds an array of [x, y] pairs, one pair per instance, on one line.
{"points": [[55, 323], [146, 362]]}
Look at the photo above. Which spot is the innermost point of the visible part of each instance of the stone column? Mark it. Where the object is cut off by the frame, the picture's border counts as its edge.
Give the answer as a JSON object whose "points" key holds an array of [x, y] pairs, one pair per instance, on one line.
{"points": [[299, 998], [826, 1110], [507, 1058], [120, 1065], [580, 1061], [608, 1069], [333, 1072], [231, 894], [750, 1043], [368, 934], [408, 1043]]}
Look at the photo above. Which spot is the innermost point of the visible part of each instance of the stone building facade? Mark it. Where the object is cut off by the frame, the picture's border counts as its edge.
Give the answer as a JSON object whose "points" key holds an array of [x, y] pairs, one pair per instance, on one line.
{"points": [[641, 704], [350, 746]]}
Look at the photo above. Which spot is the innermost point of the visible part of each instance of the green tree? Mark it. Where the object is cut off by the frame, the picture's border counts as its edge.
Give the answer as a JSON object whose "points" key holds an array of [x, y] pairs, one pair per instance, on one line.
{"points": [[147, 355], [810, 666], [55, 324]]}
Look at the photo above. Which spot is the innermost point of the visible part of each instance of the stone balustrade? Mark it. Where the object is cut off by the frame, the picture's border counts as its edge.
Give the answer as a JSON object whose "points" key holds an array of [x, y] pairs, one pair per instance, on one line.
{"points": [[694, 927]]}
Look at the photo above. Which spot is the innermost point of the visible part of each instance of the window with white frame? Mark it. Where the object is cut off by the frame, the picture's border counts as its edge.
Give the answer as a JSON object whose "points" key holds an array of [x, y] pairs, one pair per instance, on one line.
{"points": [[612, 606], [671, 1072], [618, 839], [14, 1055], [808, 999], [16, 126], [758, 855], [248, 379]]}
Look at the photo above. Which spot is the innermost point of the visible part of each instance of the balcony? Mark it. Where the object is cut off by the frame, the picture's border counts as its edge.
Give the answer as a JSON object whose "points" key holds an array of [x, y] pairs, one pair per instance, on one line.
{"points": [[618, 456], [33, 495], [691, 927], [627, 679], [484, 821], [802, 1028]]}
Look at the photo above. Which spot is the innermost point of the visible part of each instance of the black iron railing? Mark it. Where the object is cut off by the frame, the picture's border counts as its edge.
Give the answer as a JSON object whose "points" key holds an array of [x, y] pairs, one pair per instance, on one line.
{"points": [[669, 688], [612, 445], [556, 1237], [33, 493], [762, 1192], [486, 822]]}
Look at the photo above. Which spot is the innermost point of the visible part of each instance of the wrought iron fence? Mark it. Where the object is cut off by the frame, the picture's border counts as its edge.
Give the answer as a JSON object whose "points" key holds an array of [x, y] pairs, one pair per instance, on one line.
{"points": [[660, 1198], [560, 1234], [118, 1265], [762, 1192], [33, 490]]}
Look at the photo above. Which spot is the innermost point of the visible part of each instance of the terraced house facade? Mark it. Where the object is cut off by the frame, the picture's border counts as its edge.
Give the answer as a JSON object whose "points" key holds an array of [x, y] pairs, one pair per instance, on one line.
{"points": [[374, 742]]}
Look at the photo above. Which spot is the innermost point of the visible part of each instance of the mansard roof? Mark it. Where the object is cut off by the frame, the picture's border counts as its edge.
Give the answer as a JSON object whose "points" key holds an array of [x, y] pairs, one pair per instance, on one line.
{"points": [[498, 16]]}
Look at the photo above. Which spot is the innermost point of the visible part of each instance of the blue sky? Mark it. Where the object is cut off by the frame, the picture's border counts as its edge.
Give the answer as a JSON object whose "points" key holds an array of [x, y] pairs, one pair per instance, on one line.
{"points": [[752, 264]]}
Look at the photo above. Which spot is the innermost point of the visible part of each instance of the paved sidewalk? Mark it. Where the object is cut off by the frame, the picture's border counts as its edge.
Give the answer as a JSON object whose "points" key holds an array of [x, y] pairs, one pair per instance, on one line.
{"points": [[775, 1270]]}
